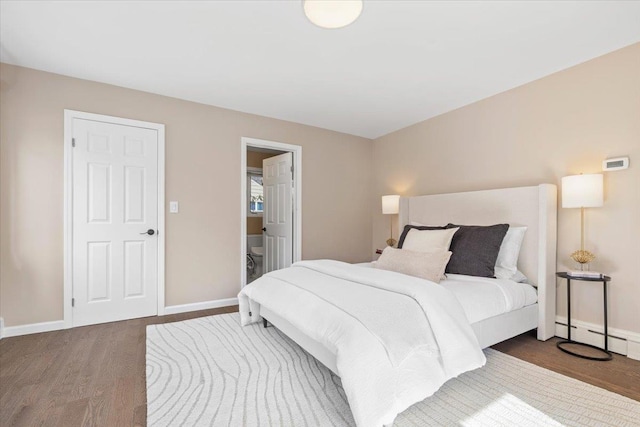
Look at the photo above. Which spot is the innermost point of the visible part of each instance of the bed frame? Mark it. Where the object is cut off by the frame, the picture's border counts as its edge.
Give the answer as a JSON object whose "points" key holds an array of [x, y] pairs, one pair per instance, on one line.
{"points": [[535, 207]]}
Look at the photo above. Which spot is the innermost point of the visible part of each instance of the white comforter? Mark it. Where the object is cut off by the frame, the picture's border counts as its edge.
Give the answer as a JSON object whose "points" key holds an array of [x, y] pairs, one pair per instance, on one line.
{"points": [[396, 338]]}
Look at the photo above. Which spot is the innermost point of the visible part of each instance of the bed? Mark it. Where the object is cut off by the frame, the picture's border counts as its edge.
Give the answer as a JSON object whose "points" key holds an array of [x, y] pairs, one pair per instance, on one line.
{"points": [[534, 207]]}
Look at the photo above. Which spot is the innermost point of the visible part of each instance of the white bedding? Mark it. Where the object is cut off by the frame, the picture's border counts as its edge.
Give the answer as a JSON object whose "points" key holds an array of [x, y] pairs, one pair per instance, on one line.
{"points": [[412, 333], [483, 297]]}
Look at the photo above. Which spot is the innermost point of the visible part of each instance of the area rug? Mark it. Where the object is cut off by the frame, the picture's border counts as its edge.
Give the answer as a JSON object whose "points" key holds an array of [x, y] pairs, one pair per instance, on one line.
{"points": [[211, 371]]}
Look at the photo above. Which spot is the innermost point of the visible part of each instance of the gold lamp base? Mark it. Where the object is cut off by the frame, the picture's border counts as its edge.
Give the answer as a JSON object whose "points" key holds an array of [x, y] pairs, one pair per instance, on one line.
{"points": [[391, 241], [583, 257]]}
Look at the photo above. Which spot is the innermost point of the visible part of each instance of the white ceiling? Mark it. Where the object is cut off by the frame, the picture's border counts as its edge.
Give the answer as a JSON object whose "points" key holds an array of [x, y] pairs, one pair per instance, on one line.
{"points": [[402, 62]]}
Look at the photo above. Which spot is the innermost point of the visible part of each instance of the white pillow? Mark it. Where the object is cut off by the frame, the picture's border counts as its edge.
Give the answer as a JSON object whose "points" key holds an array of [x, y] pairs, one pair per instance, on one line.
{"points": [[428, 240], [519, 277], [507, 261], [426, 265]]}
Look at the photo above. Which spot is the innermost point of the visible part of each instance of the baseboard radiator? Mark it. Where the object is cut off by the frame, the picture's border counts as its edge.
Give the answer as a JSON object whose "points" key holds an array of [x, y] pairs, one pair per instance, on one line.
{"points": [[620, 341]]}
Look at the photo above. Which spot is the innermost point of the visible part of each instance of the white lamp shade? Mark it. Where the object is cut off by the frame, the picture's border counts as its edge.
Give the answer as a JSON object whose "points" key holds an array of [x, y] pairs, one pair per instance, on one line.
{"points": [[332, 13], [391, 204], [582, 191]]}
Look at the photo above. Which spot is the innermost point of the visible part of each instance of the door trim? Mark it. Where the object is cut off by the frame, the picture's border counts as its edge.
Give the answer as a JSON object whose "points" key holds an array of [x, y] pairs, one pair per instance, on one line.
{"points": [[69, 115], [297, 205]]}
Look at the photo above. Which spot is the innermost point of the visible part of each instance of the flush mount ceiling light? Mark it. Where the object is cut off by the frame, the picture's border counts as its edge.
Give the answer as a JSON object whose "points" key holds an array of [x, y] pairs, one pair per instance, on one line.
{"points": [[332, 13]]}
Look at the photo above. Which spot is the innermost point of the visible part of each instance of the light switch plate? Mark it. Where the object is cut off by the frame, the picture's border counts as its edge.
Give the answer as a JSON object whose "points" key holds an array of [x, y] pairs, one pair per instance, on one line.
{"points": [[173, 207]]}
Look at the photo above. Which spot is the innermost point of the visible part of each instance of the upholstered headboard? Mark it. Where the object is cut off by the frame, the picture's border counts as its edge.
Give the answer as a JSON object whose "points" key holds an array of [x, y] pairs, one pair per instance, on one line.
{"points": [[535, 207]]}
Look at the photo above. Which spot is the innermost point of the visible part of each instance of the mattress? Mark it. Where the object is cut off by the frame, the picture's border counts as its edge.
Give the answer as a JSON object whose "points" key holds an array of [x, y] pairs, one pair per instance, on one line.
{"points": [[482, 298]]}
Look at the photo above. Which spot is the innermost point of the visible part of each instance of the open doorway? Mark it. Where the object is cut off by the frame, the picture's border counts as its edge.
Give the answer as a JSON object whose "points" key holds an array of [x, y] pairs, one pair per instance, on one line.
{"points": [[270, 207], [256, 202]]}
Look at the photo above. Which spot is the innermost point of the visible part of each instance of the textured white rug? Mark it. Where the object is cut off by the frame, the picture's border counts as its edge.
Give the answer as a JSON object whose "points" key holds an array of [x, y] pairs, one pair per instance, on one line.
{"points": [[212, 371]]}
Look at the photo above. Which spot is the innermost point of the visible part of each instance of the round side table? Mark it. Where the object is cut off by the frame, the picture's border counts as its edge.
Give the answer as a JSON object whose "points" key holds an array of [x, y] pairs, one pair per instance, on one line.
{"points": [[604, 280]]}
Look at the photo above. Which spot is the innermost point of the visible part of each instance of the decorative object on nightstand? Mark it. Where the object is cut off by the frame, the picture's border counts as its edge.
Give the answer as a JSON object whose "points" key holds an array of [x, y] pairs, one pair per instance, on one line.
{"points": [[582, 191], [604, 279], [391, 206]]}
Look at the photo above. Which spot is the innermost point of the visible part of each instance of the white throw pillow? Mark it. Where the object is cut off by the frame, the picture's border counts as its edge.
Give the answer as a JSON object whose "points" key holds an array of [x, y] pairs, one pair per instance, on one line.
{"points": [[428, 240], [519, 277], [507, 261], [425, 265]]}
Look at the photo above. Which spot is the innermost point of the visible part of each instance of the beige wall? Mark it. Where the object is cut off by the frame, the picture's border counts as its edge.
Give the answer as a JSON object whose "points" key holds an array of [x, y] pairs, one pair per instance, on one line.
{"points": [[563, 124], [202, 173], [254, 225], [255, 158]]}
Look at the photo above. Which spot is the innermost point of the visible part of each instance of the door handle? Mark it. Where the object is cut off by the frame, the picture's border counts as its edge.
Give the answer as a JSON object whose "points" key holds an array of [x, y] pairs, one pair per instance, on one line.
{"points": [[150, 232], [264, 229]]}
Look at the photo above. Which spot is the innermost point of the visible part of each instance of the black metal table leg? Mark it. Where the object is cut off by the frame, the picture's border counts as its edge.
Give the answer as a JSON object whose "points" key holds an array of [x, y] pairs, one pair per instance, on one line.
{"points": [[568, 310], [606, 332], [559, 344]]}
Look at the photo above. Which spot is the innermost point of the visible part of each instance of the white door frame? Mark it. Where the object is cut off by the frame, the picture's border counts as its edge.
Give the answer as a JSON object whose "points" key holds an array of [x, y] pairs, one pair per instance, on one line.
{"points": [[69, 115], [297, 205]]}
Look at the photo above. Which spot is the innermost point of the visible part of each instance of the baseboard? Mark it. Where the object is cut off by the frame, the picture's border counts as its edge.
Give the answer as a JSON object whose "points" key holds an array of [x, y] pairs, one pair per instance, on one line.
{"points": [[620, 341], [35, 328], [32, 328], [196, 306]]}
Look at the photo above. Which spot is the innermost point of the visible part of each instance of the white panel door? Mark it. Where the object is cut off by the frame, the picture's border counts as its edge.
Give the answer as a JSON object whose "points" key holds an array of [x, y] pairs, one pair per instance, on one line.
{"points": [[115, 219], [277, 182]]}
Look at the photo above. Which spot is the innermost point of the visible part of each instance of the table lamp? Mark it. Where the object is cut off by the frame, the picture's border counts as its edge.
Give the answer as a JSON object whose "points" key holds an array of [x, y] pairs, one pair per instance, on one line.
{"points": [[582, 191], [391, 206]]}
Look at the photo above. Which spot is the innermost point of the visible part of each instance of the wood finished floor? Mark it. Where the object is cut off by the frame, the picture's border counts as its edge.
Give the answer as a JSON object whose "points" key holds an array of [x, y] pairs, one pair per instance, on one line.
{"points": [[95, 375]]}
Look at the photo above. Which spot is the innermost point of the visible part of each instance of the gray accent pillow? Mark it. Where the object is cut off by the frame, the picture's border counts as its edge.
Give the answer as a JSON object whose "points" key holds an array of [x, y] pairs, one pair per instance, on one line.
{"points": [[475, 249], [408, 228]]}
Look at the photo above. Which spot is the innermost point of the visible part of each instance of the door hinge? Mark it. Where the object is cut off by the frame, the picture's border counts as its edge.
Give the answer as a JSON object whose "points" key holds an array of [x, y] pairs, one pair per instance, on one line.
{"points": [[291, 171], [73, 302], [73, 142]]}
